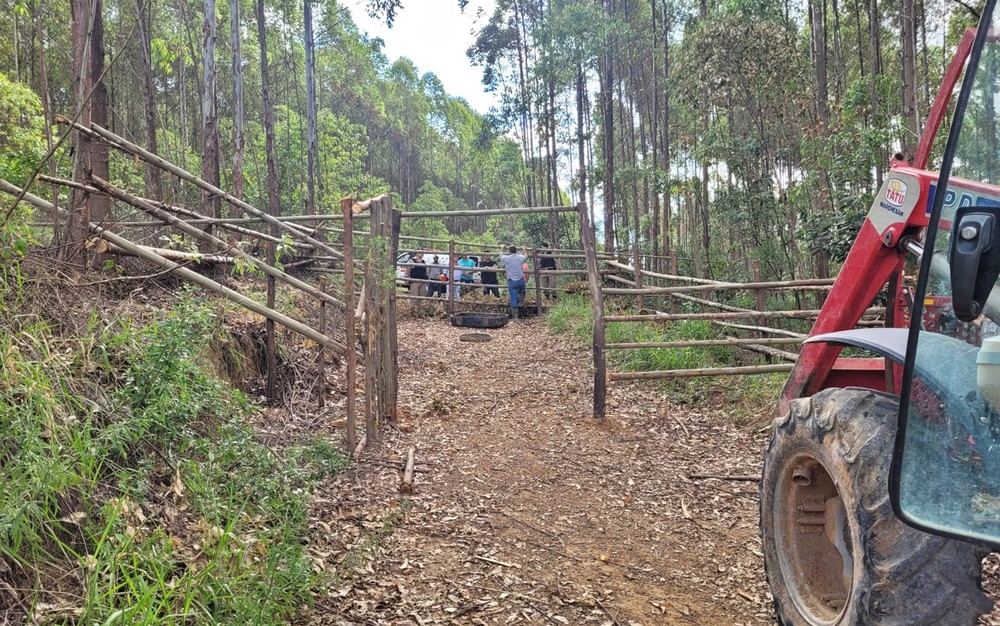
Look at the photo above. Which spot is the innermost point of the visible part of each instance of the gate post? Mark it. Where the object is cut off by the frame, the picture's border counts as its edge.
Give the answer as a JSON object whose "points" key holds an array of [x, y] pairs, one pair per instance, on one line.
{"points": [[597, 303]]}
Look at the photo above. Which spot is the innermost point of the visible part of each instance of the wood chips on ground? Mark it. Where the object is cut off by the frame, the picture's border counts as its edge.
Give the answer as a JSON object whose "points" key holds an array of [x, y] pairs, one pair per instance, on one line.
{"points": [[526, 510]]}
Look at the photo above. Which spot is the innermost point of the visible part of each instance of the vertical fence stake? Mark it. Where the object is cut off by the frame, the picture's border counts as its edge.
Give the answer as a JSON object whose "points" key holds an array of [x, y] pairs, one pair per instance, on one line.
{"points": [[393, 220], [451, 277], [371, 313], [320, 357], [761, 304], [270, 348], [538, 282], [597, 303], [352, 358], [637, 274]]}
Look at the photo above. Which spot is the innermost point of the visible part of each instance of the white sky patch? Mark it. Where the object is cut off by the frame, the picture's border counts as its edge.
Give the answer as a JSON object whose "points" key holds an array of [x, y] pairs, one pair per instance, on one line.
{"points": [[435, 35]]}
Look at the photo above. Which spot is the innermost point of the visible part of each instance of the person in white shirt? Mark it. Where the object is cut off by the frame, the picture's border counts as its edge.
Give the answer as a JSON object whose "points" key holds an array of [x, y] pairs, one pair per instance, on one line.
{"points": [[513, 263]]}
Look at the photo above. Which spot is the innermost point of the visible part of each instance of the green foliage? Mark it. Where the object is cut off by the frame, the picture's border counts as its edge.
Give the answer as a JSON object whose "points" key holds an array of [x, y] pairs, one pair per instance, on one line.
{"points": [[746, 399], [22, 128], [128, 463]]}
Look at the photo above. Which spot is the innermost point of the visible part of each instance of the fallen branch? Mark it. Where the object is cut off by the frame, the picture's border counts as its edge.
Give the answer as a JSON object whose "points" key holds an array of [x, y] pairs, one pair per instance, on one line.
{"points": [[606, 611], [495, 562], [103, 246], [754, 479]]}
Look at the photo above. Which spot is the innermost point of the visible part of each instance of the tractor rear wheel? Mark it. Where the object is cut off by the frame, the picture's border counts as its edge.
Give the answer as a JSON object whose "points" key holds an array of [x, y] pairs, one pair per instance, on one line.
{"points": [[834, 552]]}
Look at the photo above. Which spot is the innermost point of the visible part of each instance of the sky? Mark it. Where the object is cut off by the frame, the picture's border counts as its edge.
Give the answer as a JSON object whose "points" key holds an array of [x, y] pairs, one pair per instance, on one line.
{"points": [[435, 34]]}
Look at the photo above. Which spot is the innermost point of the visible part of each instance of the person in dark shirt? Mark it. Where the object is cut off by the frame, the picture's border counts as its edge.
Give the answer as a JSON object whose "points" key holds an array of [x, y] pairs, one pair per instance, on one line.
{"points": [[546, 269], [419, 272], [489, 277]]}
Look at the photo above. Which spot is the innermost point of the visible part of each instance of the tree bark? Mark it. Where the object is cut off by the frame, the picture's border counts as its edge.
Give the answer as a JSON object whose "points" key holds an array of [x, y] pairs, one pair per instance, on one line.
{"points": [[209, 116], [238, 137], [908, 56], [312, 149], [144, 24], [91, 100], [608, 109], [273, 205]]}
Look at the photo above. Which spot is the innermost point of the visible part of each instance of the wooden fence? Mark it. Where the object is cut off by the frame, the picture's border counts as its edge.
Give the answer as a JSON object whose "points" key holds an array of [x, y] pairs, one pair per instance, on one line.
{"points": [[370, 305], [647, 286]]}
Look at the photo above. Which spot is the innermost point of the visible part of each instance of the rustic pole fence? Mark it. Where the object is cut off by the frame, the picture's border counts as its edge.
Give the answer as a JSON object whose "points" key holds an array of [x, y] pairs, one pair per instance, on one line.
{"points": [[202, 281], [349, 324], [587, 240]]}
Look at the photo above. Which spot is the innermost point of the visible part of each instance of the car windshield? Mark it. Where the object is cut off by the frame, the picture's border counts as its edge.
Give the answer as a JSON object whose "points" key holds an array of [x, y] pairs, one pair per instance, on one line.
{"points": [[949, 472]]}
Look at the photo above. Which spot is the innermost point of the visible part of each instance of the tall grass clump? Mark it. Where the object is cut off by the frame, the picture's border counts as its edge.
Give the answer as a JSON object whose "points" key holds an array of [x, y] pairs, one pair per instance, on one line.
{"points": [[131, 489]]}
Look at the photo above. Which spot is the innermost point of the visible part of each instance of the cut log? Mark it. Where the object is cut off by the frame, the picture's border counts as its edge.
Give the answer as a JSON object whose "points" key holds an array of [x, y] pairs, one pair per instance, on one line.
{"points": [[406, 484], [358, 449]]}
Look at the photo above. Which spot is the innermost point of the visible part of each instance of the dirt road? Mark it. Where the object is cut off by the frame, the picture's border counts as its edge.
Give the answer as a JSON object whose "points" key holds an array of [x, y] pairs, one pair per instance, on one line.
{"points": [[526, 510]]}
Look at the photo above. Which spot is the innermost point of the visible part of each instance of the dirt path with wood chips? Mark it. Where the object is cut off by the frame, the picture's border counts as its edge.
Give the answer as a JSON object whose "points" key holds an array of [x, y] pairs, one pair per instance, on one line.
{"points": [[527, 511]]}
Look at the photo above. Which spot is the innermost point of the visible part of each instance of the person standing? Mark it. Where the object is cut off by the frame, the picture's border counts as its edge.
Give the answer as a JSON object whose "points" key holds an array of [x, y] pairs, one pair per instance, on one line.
{"points": [[434, 273], [489, 276], [456, 282], [467, 265], [418, 272], [513, 263], [546, 269]]}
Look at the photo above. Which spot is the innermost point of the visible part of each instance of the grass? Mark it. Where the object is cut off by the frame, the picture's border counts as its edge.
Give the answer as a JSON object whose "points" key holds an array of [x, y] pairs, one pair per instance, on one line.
{"points": [[132, 489], [746, 398]]}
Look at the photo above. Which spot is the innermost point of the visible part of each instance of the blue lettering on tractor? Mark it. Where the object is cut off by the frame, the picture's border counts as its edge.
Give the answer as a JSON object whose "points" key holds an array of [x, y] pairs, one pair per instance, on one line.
{"points": [[957, 199]]}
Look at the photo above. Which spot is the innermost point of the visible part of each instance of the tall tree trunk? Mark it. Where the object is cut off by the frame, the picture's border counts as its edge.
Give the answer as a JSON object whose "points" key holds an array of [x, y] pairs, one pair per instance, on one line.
{"points": [[209, 117], [43, 91], [817, 23], [152, 174], [553, 164], [608, 108], [875, 39], [839, 70], [703, 203], [273, 201], [91, 100], [312, 147], [908, 56], [580, 134], [666, 130], [238, 137]]}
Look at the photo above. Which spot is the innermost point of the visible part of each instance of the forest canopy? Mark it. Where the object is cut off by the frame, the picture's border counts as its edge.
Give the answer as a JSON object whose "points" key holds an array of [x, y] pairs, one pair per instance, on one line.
{"points": [[720, 132]]}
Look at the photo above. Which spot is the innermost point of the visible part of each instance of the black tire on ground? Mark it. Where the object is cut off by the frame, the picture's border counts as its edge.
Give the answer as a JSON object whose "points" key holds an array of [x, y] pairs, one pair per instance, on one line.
{"points": [[825, 482], [476, 319]]}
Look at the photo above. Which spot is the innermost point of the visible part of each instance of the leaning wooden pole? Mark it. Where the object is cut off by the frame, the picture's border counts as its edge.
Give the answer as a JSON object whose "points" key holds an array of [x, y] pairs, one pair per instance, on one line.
{"points": [[183, 272], [597, 304], [126, 146], [221, 245], [352, 358]]}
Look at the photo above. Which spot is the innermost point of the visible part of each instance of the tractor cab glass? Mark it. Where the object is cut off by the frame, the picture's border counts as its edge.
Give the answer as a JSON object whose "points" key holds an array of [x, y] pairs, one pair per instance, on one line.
{"points": [[946, 471]]}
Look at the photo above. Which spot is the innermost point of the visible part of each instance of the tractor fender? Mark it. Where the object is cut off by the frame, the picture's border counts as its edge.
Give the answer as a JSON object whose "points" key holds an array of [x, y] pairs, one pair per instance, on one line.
{"points": [[947, 366]]}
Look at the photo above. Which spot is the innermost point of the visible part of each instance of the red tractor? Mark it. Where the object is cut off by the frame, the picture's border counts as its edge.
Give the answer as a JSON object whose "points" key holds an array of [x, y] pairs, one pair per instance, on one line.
{"points": [[880, 493]]}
